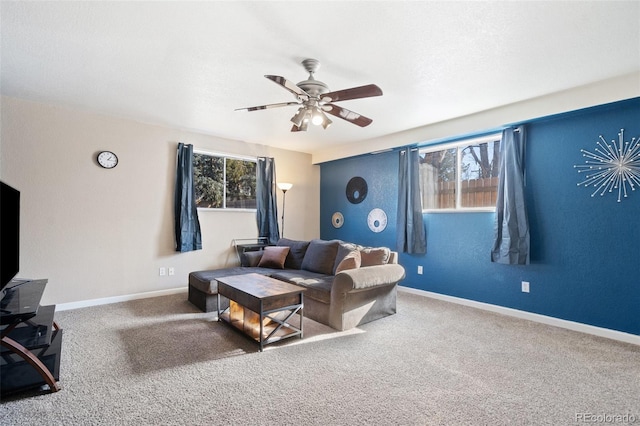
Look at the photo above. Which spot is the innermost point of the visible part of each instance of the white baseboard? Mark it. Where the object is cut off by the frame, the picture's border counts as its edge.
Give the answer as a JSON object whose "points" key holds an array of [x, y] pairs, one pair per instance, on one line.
{"points": [[557, 322], [116, 299]]}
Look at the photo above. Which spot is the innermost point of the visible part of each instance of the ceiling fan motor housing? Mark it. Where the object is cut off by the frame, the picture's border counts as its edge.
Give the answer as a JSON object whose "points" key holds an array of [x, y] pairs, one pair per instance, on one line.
{"points": [[313, 87]]}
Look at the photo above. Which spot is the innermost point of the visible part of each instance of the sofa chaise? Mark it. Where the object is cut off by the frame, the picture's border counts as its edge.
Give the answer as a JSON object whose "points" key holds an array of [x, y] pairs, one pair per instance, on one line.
{"points": [[347, 285]]}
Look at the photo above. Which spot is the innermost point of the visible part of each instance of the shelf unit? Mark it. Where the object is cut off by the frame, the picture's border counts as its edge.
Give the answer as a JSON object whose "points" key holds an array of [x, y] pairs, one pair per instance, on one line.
{"points": [[31, 340]]}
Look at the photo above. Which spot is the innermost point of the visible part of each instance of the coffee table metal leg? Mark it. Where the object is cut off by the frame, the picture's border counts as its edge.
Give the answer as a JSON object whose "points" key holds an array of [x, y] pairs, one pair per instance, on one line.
{"points": [[301, 313], [261, 317], [218, 306]]}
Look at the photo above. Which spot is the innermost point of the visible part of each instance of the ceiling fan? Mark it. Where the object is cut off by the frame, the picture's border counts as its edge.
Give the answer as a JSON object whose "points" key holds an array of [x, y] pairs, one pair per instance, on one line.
{"points": [[314, 100]]}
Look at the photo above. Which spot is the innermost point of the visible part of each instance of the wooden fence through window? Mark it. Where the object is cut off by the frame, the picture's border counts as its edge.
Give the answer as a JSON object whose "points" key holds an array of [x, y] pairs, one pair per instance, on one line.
{"points": [[474, 193]]}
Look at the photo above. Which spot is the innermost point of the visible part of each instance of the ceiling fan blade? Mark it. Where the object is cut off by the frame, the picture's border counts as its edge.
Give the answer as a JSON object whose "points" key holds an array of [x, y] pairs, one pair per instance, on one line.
{"points": [[257, 108], [345, 114], [353, 93], [289, 86]]}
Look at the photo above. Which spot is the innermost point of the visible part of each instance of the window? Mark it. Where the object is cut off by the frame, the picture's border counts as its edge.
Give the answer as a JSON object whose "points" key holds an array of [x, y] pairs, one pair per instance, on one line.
{"points": [[224, 182], [461, 176]]}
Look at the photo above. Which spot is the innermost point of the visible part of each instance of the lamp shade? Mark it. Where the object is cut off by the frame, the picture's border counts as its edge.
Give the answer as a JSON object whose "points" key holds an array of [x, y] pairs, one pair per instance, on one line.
{"points": [[299, 117], [317, 117], [284, 187]]}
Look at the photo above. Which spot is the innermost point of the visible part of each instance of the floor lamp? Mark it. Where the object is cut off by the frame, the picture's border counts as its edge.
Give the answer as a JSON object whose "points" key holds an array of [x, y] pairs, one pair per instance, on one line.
{"points": [[284, 187]]}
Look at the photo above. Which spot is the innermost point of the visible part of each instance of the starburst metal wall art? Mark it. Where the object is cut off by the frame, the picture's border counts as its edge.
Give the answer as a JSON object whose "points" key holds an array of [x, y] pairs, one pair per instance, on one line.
{"points": [[613, 167]]}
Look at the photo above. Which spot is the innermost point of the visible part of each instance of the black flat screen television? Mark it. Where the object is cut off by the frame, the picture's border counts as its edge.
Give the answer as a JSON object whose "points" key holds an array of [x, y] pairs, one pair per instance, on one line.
{"points": [[9, 233]]}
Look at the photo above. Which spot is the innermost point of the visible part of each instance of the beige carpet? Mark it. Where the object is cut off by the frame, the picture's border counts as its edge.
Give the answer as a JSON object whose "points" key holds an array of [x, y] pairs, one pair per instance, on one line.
{"points": [[161, 362]]}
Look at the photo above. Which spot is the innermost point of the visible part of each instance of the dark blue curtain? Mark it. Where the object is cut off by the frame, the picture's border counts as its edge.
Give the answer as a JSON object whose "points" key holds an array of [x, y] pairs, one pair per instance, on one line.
{"points": [[410, 231], [266, 201], [187, 225], [511, 230]]}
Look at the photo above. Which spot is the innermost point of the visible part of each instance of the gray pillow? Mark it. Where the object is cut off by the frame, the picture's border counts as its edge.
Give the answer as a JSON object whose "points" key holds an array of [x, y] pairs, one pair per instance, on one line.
{"points": [[297, 250], [320, 256], [251, 258]]}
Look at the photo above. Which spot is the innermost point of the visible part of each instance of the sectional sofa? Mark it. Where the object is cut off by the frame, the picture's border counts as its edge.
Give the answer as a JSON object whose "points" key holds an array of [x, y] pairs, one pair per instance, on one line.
{"points": [[347, 285]]}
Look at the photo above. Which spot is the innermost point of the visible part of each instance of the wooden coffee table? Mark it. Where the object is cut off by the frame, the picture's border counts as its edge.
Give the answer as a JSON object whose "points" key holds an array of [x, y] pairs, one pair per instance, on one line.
{"points": [[261, 307]]}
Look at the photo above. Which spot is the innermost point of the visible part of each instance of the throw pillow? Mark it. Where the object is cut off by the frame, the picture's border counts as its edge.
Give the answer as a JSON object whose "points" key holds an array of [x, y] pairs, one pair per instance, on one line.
{"points": [[320, 256], [350, 261], [273, 257], [297, 250], [372, 256], [343, 250], [251, 258]]}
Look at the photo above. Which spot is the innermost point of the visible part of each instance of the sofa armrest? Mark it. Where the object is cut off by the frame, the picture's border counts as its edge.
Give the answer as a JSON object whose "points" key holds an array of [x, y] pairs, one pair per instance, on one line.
{"points": [[367, 277]]}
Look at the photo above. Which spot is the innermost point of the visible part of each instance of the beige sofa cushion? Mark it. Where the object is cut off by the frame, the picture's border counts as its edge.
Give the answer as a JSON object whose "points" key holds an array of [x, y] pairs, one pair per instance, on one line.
{"points": [[350, 261], [372, 256]]}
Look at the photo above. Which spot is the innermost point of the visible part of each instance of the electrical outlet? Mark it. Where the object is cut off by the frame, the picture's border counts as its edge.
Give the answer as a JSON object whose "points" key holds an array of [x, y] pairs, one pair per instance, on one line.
{"points": [[163, 272], [420, 270], [172, 270], [525, 286]]}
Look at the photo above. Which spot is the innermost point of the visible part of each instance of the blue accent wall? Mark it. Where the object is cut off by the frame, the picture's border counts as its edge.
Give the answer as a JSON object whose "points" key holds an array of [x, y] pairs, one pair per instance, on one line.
{"points": [[585, 251]]}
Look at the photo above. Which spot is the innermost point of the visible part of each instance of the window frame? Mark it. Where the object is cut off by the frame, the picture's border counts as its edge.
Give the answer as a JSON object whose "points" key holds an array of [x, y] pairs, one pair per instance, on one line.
{"points": [[458, 144], [225, 156]]}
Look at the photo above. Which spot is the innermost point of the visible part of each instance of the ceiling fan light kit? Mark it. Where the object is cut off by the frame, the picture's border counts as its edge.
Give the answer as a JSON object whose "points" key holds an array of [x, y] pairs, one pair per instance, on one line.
{"points": [[315, 99], [299, 117]]}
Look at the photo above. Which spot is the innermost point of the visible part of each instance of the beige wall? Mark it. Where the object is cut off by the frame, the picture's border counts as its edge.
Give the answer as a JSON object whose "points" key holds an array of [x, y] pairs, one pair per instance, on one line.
{"points": [[97, 233]]}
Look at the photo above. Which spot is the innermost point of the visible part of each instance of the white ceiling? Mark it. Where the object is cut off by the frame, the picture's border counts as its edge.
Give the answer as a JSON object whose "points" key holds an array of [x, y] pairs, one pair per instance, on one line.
{"points": [[190, 64]]}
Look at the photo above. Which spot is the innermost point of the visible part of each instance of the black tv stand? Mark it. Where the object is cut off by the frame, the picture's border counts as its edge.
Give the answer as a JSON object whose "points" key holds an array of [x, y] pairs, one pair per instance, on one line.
{"points": [[31, 339]]}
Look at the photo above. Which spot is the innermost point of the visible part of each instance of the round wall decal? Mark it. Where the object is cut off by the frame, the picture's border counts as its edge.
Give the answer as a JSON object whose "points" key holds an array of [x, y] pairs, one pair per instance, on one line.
{"points": [[337, 220], [356, 190], [377, 220]]}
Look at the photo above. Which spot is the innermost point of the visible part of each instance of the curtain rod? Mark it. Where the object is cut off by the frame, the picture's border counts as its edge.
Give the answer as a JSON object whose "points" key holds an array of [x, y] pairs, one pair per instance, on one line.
{"points": [[403, 151]]}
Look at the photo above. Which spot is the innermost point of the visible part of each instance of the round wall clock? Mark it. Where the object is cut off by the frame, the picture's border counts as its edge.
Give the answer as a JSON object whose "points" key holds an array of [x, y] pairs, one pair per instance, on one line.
{"points": [[107, 159], [356, 190], [337, 220], [377, 220]]}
